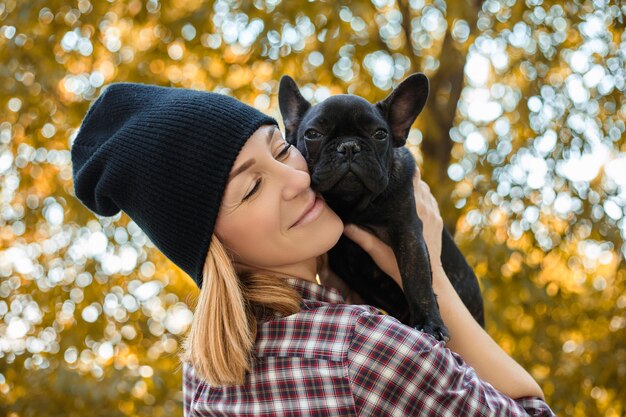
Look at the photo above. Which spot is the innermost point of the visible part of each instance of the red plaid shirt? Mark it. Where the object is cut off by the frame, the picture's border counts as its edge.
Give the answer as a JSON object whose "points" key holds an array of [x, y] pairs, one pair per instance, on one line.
{"points": [[337, 359]]}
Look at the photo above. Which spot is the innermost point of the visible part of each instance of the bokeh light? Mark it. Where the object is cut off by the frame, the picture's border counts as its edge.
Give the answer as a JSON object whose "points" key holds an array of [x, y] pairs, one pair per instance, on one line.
{"points": [[521, 140]]}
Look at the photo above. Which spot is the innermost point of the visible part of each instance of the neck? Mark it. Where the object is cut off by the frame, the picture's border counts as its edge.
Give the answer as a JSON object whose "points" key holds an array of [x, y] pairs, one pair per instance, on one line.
{"points": [[304, 270]]}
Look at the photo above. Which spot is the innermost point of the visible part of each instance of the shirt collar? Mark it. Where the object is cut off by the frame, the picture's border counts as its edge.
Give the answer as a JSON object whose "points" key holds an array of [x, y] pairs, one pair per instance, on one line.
{"points": [[311, 292], [315, 292]]}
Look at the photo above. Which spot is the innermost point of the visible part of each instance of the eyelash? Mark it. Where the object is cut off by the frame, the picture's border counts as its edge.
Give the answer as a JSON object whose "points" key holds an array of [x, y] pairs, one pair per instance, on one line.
{"points": [[284, 151]]}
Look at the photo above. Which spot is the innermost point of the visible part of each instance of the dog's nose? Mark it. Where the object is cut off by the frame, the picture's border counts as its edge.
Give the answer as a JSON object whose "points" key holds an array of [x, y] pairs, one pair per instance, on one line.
{"points": [[349, 147]]}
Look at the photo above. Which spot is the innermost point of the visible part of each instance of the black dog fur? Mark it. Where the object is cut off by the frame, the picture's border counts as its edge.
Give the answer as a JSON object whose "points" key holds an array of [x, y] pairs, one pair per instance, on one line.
{"points": [[358, 163]]}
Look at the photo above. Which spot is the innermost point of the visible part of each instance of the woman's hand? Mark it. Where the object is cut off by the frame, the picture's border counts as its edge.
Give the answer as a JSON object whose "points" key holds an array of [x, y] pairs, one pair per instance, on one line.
{"points": [[382, 254]]}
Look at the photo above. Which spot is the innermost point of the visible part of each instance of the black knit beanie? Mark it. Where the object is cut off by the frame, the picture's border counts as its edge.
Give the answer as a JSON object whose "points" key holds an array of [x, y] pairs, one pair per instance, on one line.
{"points": [[162, 155]]}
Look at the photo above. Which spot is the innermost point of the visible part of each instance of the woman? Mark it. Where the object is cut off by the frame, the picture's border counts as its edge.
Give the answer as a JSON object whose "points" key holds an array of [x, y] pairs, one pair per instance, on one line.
{"points": [[213, 184]]}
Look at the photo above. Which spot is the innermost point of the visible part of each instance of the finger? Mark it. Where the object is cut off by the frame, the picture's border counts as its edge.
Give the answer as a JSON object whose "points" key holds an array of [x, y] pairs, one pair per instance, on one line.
{"points": [[360, 236], [417, 175]]}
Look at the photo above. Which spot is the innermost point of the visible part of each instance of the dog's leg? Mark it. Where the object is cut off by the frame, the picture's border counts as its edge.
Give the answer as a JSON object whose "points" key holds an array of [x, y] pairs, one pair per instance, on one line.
{"points": [[413, 262]]}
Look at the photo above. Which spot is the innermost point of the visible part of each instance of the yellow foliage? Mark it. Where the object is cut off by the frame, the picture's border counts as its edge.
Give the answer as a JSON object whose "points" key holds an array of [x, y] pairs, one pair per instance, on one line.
{"points": [[546, 250]]}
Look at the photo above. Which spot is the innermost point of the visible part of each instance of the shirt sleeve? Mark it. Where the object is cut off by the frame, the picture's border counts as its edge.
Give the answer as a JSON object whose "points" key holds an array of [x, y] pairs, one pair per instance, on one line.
{"points": [[189, 388], [396, 370]]}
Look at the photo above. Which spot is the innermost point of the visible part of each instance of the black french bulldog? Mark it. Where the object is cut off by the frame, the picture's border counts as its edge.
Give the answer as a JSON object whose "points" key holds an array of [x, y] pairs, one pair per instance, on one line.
{"points": [[357, 160]]}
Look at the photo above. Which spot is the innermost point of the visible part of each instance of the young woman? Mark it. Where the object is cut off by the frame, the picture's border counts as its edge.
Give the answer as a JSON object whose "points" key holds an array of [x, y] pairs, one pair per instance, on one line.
{"points": [[215, 186]]}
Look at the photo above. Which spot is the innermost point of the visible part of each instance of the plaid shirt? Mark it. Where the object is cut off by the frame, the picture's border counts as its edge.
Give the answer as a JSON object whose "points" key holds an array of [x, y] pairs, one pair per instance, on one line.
{"points": [[337, 359]]}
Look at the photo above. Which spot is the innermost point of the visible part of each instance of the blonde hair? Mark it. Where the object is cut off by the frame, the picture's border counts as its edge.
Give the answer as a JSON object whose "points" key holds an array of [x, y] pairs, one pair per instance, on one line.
{"points": [[223, 331]]}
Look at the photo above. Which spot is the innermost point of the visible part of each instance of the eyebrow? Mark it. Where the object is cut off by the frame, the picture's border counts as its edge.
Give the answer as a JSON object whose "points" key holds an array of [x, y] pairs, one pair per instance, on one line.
{"points": [[241, 168]]}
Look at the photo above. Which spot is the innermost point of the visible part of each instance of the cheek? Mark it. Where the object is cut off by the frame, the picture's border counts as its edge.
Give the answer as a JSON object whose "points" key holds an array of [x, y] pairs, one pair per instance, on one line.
{"points": [[245, 232]]}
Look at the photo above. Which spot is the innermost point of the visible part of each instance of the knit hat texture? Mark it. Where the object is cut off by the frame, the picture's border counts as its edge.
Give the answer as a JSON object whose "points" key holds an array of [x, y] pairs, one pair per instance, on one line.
{"points": [[162, 155]]}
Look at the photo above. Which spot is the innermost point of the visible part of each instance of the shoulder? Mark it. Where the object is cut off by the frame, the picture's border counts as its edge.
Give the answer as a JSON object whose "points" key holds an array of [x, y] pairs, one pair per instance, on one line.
{"points": [[382, 341], [385, 352], [320, 330], [370, 327], [392, 368]]}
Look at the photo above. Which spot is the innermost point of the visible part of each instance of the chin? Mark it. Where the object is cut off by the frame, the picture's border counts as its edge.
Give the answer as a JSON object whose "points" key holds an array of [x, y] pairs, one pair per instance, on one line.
{"points": [[322, 234], [333, 230]]}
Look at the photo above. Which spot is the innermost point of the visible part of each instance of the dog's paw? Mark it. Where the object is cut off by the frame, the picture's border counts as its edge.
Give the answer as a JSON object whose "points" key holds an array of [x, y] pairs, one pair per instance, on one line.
{"points": [[439, 332]]}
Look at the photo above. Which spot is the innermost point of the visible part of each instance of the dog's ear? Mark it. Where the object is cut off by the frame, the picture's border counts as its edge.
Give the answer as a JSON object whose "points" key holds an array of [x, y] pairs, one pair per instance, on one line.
{"points": [[403, 105], [292, 106]]}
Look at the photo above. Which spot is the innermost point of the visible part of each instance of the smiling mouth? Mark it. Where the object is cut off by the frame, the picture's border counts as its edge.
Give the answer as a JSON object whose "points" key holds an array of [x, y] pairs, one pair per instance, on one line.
{"points": [[311, 207]]}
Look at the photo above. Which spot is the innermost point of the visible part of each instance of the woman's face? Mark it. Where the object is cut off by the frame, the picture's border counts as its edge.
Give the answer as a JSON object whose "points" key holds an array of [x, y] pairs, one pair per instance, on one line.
{"points": [[266, 195]]}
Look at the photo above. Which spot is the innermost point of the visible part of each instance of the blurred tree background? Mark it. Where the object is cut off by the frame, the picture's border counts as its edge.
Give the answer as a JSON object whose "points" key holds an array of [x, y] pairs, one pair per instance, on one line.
{"points": [[522, 143]]}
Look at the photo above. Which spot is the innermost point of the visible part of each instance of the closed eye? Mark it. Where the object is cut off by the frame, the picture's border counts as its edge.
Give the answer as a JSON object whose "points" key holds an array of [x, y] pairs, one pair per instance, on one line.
{"points": [[257, 183]]}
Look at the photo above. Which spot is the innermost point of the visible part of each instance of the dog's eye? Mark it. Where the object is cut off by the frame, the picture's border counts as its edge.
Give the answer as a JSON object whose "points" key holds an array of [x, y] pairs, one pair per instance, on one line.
{"points": [[312, 134], [380, 134]]}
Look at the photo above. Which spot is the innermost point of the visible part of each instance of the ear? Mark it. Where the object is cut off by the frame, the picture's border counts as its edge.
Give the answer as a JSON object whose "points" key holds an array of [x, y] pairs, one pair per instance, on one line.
{"points": [[292, 106], [403, 105]]}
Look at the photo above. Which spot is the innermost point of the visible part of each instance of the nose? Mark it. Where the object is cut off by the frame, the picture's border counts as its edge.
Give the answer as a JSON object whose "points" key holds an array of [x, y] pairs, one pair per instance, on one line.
{"points": [[348, 148], [295, 181]]}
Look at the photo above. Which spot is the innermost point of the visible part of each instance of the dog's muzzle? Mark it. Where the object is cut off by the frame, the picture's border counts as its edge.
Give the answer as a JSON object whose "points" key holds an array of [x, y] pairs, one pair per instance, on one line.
{"points": [[349, 148], [341, 170]]}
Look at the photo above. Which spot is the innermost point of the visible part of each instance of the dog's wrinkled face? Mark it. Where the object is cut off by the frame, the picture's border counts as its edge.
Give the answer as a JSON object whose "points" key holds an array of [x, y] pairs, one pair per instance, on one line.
{"points": [[349, 151], [347, 141]]}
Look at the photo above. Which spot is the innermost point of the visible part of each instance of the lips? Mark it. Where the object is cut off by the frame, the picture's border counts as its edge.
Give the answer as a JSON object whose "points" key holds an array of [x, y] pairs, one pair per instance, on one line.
{"points": [[308, 208]]}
